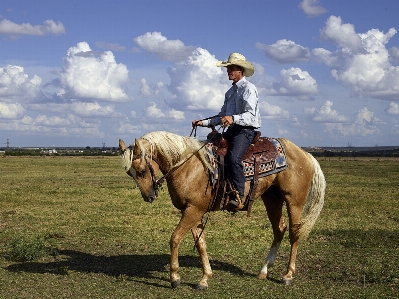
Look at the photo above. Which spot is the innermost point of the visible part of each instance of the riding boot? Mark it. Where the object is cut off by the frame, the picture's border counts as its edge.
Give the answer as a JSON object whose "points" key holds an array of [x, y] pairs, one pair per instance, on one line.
{"points": [[236, 202]]}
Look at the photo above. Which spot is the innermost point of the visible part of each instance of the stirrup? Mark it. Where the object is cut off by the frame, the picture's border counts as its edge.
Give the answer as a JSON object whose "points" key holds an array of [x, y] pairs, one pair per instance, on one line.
{"points": [[236, 203]]}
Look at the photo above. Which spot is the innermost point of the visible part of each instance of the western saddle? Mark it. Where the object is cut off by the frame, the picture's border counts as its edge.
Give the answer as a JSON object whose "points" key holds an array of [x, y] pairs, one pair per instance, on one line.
{"points": [[260, 151]]}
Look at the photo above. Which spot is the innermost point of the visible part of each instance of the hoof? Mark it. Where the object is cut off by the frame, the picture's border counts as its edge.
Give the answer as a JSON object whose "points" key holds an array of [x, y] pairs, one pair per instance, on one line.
{"points": [[201, 287], [175, 283], [286, 281], [262, 275]]}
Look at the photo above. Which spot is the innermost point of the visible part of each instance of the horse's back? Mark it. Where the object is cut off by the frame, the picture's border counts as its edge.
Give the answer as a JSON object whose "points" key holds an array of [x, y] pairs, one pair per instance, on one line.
{"points": [[300, 170], [293, 151]]}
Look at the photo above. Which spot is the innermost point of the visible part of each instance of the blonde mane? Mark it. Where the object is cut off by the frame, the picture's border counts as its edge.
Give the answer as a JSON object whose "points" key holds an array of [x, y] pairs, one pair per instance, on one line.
{"points": [[176, 149]]}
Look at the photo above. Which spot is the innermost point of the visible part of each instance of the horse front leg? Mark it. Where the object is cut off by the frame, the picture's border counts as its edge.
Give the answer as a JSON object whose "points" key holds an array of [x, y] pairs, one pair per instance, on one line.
{"points": [[200, 243], [190, 217]]}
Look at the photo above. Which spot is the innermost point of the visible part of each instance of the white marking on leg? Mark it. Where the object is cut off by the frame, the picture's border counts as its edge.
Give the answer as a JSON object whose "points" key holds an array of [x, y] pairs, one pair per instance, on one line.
{"points": [[271, 257]]}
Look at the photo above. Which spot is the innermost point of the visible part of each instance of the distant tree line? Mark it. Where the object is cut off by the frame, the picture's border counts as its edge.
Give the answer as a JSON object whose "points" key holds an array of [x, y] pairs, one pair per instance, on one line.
{"points": [[62, 152], [354, 153]]}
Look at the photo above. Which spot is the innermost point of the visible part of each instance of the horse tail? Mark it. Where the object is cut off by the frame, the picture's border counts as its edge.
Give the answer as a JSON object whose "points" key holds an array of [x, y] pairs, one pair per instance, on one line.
{"points": [[314, 201]]}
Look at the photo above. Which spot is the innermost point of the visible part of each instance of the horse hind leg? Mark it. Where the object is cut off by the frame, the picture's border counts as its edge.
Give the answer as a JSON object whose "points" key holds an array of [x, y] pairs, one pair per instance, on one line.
{"points": [[294, 214], [273, 201], [200, 243]]}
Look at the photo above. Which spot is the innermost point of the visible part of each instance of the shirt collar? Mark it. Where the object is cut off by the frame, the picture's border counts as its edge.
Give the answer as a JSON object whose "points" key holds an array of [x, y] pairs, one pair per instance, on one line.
{"points": [[240, 83]]}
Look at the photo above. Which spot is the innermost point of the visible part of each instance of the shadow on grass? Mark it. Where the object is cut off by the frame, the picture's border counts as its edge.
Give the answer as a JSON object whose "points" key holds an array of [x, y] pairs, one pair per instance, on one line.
{"points": [[133, 267]]}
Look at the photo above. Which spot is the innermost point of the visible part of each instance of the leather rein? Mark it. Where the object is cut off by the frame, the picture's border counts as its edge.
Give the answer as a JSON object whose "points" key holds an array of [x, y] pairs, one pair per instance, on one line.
{"points": [[157, 183]]}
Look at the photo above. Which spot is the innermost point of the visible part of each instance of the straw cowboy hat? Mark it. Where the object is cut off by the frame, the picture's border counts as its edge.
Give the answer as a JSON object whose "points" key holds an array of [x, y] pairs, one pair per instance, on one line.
{"points": [[238, 59]]}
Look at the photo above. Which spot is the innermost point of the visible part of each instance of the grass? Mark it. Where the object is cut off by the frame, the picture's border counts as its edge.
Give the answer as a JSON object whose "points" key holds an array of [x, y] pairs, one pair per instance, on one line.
{"points": [[27, 249], [76, 227]]}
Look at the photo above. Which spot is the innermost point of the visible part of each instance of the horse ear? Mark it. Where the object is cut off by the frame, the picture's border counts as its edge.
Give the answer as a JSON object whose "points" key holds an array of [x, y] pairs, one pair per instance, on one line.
{"points": [[122, 146], [138, 164], [136, 147]]}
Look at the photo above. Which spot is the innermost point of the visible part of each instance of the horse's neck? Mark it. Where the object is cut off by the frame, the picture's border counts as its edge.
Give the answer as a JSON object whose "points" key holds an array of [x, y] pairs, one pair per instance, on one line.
{"points": [[165, 164]]}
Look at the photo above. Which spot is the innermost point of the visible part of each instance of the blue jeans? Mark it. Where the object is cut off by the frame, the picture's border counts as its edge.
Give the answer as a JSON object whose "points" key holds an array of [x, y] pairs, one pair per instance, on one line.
{"points": [[239, 139]]}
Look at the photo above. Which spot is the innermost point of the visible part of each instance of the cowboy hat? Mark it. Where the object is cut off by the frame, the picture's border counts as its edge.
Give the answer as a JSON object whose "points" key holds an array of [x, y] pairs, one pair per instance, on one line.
{"points": [[238, 59]]}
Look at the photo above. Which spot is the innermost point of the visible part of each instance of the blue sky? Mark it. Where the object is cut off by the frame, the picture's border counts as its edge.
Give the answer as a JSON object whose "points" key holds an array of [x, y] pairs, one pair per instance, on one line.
{"points": [[84, 73]]}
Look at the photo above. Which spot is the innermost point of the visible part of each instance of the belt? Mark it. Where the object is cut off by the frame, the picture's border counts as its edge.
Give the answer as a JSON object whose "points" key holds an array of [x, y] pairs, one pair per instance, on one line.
{"points": [[243, 127]]}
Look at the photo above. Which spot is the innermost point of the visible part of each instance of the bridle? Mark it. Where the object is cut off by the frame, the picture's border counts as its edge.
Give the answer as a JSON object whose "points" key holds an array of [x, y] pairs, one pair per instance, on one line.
{"points": [[155, 183]]}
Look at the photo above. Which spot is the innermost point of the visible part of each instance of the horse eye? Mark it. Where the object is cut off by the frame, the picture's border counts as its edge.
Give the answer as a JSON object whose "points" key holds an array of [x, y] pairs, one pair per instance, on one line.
{"points": [[141, 173]]}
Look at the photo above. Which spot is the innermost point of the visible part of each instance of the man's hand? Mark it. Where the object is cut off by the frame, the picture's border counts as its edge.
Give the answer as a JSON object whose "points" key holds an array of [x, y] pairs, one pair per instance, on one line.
{"points": [[226, 121], [196, 123]]}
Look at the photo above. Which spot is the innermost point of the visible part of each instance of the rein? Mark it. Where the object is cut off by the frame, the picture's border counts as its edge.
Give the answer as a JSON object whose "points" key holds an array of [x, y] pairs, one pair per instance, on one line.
{"points": [[195, 127], [159, 182]]}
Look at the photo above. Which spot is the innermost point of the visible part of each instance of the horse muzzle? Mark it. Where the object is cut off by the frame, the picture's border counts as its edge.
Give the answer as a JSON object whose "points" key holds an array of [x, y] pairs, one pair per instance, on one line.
{"points": [[151, 196]]}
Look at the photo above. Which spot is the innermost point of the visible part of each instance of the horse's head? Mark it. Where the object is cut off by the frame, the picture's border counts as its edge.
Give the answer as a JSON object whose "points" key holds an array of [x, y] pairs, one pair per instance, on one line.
{"points": [[141, 166]]}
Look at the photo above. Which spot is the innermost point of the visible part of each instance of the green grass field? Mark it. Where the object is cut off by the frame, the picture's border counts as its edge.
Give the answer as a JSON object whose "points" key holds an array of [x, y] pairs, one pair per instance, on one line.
{"points": [[78, 228]]}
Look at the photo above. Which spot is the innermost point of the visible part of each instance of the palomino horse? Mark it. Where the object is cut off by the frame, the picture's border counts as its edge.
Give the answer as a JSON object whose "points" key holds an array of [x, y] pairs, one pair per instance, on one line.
{"points": [[185, 165]]}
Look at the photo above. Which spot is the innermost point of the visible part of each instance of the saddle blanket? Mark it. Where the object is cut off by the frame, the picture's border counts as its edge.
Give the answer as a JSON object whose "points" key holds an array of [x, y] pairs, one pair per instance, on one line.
{"points": [[265, 169]]}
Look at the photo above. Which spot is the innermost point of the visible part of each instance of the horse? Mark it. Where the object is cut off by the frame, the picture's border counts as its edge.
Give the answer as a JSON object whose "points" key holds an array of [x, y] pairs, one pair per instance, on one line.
{"points": [[185, 165]]}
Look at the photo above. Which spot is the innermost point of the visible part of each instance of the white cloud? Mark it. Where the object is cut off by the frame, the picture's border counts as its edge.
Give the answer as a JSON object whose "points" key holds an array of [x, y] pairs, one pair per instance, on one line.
{"points": [[170, 50], [128, 129], [365, 115], [311, 8], [49, 27], [196, 83], [393, 108], [54, 126], [325, 114], [81, 109], [145, 88], [342, 34], [15, 85], [111, 47], [268, 111], [285, 51], [293, 82], [331, 59], [154, 113], [11, 111], [362, 61], [86, 76], [363, 124], [159, 87], [394, 54], [53, 121], [94, 109], [178, 115]]}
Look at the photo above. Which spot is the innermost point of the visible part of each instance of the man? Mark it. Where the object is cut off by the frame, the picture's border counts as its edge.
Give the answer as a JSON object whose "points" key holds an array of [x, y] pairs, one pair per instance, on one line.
{"points": [[240, 113]]}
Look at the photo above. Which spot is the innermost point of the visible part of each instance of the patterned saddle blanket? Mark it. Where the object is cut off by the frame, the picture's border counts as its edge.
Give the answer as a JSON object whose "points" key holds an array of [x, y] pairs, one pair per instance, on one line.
{"points": [[271, 153]]}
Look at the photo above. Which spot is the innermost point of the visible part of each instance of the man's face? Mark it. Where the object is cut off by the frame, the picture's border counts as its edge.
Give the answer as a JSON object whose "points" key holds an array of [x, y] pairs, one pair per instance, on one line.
{"points": [[234, 72]]}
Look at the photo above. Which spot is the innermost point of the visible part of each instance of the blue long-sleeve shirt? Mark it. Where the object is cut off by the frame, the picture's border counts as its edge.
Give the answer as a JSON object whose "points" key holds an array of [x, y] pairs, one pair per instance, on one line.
{"points": [[242, 102]]}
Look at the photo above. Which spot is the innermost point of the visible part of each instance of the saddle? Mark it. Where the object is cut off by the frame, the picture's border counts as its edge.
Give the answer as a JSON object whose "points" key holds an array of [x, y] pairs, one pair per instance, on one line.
{"points": [[260, 151]]}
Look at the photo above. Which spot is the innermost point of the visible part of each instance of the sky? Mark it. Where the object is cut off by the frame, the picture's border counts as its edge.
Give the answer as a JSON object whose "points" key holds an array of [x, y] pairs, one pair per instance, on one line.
{"points": [[86, 73]]}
